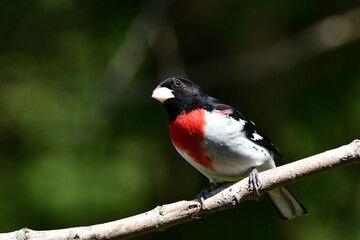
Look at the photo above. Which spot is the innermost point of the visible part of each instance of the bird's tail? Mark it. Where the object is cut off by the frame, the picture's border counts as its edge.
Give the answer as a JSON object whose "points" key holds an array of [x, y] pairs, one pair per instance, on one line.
{"points": [[286, 204]]}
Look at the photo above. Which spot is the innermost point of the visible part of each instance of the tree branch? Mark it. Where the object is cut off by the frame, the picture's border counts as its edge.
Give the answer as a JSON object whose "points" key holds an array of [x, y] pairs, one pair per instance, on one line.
{"points": [[227, 196]]}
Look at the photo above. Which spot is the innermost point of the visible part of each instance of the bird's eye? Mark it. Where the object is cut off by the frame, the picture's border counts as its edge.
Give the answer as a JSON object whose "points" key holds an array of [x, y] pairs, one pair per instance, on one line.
{"points": [[178, 83]]}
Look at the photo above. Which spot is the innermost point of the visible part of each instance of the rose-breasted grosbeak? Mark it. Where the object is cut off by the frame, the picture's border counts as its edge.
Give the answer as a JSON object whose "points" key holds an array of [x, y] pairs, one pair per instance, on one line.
{"points": [[219, 141]]}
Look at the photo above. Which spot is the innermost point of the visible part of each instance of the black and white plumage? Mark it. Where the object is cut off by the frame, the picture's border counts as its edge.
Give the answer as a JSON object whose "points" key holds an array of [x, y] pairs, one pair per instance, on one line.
{"points": [[219, 141]]}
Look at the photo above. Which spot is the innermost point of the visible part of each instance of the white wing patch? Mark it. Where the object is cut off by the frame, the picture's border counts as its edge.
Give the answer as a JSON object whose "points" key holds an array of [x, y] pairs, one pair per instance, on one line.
{"points": [[256, 137]]}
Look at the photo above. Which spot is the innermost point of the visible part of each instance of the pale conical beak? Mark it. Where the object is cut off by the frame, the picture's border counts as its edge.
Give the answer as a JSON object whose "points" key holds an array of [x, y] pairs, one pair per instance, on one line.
{"points": [[162, 94]]}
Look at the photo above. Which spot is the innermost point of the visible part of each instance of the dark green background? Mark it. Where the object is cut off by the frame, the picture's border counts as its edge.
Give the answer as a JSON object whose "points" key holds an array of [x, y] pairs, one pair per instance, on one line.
{"points": [[82, 142]]}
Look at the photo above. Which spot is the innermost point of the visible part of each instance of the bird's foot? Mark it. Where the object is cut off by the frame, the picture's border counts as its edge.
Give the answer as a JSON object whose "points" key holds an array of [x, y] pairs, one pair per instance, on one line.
{"points": [[254, 181], [201, 196], [205, 191]]}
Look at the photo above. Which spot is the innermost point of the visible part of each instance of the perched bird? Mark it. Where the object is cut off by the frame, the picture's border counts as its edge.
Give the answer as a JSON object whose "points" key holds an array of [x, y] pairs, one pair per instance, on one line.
{"points": [[219, 141]]}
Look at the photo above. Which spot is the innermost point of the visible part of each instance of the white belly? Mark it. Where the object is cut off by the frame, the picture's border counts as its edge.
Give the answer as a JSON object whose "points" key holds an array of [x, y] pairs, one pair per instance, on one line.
{"points": [[232, 152]]}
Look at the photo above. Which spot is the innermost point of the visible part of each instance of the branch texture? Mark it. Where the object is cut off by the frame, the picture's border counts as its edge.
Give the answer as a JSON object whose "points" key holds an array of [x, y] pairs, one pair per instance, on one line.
{"points": [[228, 196]]}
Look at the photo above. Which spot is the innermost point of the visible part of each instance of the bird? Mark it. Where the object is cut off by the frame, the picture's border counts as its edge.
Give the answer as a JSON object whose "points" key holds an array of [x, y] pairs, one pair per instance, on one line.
{"points": [[220, 142]]}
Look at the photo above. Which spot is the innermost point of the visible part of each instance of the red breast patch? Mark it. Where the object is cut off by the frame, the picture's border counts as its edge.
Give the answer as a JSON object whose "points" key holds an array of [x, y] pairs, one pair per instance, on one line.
{"points": [[187, 133]]}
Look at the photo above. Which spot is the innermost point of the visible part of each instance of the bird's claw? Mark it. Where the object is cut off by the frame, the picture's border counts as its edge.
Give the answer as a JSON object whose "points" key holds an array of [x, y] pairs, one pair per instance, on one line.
{"points": [[254, 181], [201, 197], [205, 191]]}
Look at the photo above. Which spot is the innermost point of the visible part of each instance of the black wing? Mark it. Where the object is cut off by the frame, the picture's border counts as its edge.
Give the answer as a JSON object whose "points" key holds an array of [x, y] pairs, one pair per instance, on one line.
{"points": [[257, 136], [251, 130]]}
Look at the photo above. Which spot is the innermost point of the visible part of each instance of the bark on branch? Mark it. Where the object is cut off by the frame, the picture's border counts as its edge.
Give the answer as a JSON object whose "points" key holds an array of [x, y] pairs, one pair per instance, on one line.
{"points": [[229, 196]]}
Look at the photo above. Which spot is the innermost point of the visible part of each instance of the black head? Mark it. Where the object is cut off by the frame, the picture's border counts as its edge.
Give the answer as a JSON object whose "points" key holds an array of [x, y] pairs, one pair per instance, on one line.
{"points": [[179, 95]]}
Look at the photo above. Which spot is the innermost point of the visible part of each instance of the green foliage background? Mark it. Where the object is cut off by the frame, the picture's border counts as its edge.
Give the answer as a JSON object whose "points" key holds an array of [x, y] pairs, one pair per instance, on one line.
{"points": [[82, 142]]}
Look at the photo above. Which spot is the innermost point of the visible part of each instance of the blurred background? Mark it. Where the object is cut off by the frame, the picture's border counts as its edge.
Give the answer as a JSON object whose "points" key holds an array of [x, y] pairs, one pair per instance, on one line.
{"points": [[82, 142]]}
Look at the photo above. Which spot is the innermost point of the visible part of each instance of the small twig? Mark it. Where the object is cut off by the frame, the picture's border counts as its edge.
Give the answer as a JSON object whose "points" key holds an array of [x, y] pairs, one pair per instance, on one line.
{"points": [[168, 215]]}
